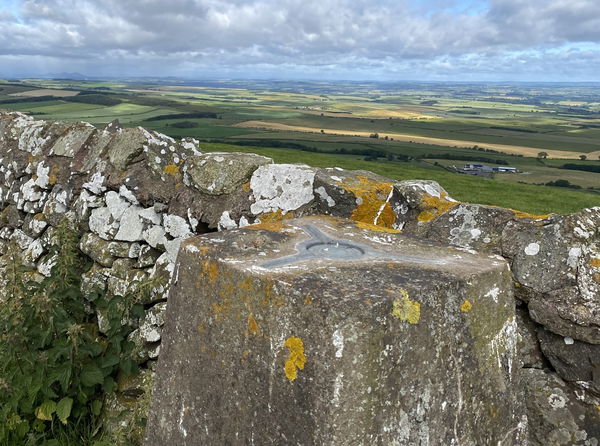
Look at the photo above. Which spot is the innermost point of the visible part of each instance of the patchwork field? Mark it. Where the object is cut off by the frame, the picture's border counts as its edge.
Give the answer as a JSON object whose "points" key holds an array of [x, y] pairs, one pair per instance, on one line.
{"points": [[404, 130]]}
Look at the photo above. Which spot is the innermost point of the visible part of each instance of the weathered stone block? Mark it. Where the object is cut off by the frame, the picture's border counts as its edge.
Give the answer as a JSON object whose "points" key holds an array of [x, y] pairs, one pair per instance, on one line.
{"points": [[557, 415], [574, 361], [222, 173], [319, 332]]}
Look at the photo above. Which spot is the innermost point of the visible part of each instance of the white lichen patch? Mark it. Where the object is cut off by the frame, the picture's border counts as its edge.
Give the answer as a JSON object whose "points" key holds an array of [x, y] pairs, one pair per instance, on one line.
{"points": [[432, 191], [338, 342], [176, 226], [325, 196], [96, 184], [493, 294], [557, 401], [226, 222], [43, 177], [284, 187], [532, 249]]}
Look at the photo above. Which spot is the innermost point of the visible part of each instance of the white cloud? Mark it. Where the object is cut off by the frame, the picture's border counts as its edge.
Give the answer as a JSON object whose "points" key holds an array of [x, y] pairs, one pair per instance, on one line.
{"points": [[351, 36]]}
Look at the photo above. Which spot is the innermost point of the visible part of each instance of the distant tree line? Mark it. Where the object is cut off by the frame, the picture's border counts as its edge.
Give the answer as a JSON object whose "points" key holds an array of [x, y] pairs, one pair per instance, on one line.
{"points": [[94, 98], [184, 125], [583, 167], [21, 100], [195, 115], [513, 129], [368, 153], [451, 156]]}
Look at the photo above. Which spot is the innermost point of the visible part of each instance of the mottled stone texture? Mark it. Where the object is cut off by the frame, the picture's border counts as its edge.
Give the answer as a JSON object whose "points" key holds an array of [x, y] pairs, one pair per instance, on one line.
{"points": [[559, 414], [415, 344]]}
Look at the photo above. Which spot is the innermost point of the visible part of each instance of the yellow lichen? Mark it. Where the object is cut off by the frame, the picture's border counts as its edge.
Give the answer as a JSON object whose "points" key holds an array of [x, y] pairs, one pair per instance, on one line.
{"points": [[270, 298], [405, 309], [211, 270], [246, 187], [53, 176], [39, 217], [521, 214], [373, 208], [596, 277], [246, 284], [371, 227], [466, 306], [432, 207], [171, 169], [296, 359], [595, 263], [308, 300], [253, 327], [273, 221], [220, 309]]}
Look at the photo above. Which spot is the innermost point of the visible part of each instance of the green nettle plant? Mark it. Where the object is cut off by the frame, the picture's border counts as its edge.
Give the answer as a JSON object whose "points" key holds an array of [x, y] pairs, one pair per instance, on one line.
{"points": [[55, 367]]}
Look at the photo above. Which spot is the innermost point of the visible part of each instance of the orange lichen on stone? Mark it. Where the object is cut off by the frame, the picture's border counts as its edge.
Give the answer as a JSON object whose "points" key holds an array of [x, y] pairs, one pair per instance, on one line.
{"points": [[595, 263], [253, 327], [296, 359], [220, 309], [246, 187], [270, 297], [370, 227], [211, 270], [520, 214], [433, 207], [373, 208], [597, 277], [273, 221], [405, 309], [307, 300], [246, 284], [171, 169], [466, 306]]}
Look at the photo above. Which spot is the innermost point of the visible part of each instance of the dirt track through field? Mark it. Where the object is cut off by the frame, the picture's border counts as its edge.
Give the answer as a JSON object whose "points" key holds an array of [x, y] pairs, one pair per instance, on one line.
{"points": [[505, 148]]}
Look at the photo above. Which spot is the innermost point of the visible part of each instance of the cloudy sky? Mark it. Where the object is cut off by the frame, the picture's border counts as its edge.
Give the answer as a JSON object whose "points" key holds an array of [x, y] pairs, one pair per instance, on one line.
{"points": [[543, 40]]}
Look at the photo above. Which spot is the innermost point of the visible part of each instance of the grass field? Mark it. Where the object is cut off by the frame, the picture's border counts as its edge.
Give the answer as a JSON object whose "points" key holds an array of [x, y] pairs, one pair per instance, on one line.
{"points": [[528, 198], [447, 124]]}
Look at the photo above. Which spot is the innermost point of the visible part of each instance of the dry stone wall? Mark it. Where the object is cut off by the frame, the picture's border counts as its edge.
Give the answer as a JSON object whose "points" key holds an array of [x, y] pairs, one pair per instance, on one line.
{"points": [[136, 195]]}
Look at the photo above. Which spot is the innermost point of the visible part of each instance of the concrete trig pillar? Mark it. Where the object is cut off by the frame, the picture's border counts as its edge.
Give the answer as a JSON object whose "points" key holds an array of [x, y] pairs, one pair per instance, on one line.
{"points": [[318, 332]]}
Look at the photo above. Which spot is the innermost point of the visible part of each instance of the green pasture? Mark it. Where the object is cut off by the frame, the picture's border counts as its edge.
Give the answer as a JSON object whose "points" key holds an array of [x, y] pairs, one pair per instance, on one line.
{"points": [[206, 128], [524, 197]]}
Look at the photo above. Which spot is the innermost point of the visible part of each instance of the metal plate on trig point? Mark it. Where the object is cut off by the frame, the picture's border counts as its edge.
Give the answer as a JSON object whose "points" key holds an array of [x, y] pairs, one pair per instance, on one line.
{"points": [[321, 246]]}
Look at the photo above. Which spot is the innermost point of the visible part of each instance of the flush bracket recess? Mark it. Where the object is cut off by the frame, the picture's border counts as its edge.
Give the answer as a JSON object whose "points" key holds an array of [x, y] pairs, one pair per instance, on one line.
{"points": [[321, 246]]}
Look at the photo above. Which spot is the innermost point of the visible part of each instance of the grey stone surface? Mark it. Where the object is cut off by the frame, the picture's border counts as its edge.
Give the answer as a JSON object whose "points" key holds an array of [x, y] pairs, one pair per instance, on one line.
{"points": [[566, 313], [530, 354], [73, 140], [471, 226], [126, 145], [301, 352], [557, 414], [222, 173], [574, 361], [102, 251]]}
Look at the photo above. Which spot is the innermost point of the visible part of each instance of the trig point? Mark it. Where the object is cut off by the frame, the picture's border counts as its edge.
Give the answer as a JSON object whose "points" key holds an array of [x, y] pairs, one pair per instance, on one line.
{"points": [[315, 331]]}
